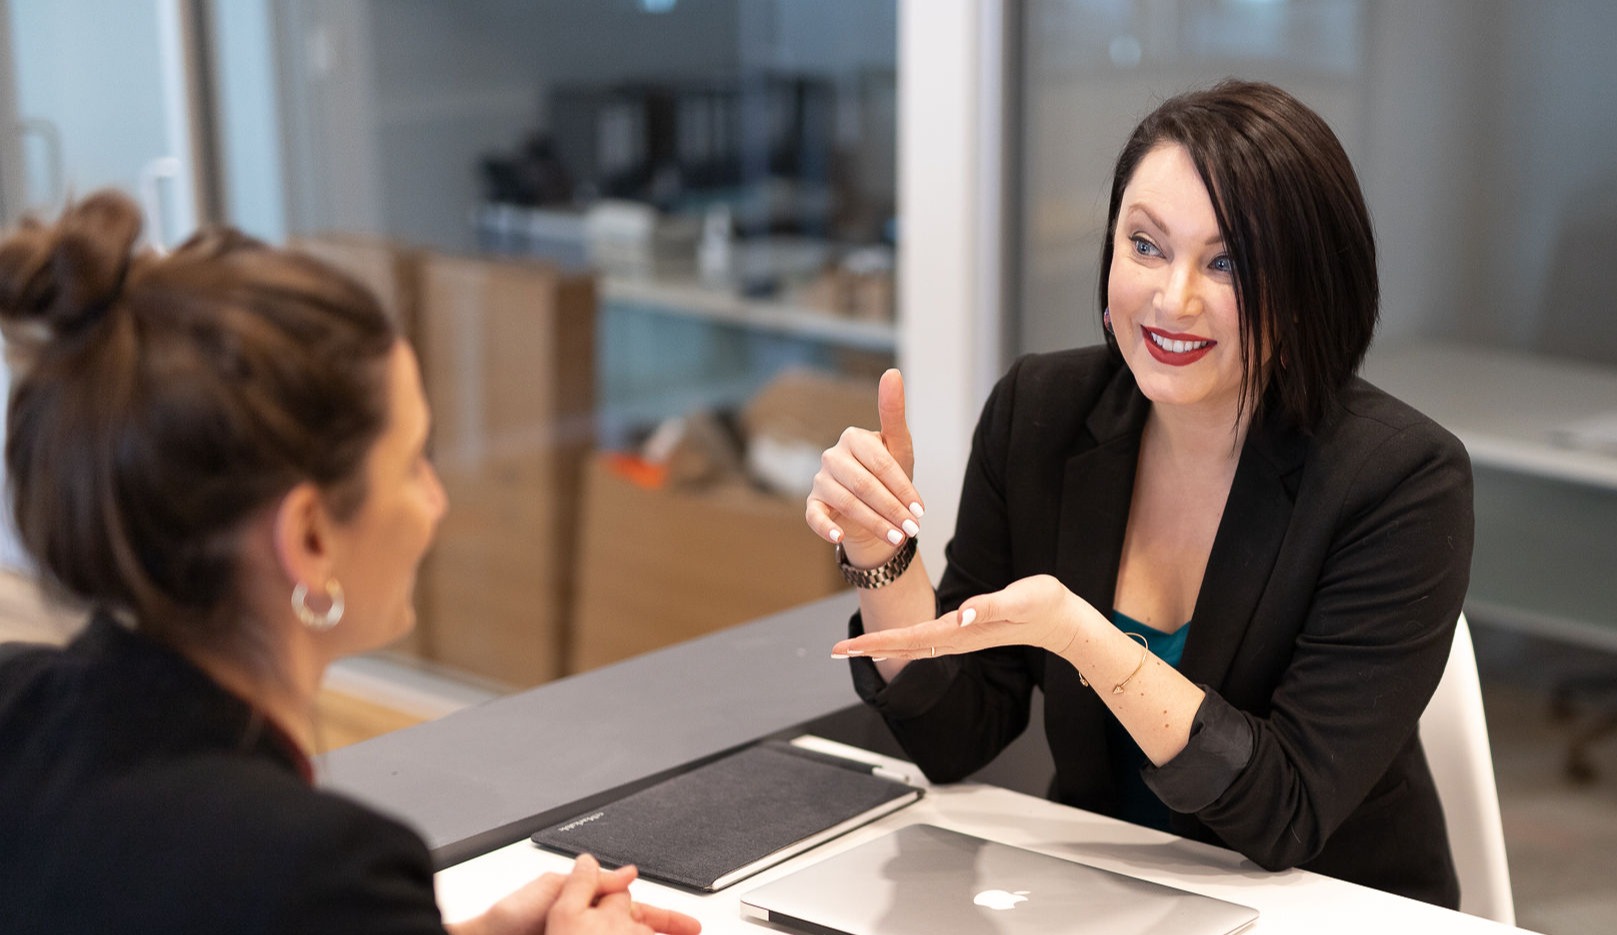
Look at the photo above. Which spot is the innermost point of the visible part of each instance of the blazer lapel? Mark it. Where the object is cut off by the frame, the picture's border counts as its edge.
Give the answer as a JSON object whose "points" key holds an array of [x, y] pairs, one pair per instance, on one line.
{"points": [[1244, 552], [1095, 493]]}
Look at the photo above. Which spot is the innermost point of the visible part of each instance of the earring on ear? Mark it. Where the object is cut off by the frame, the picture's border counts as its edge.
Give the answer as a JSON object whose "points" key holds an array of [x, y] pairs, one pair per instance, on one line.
{"points": [[317, 622], [1106, 319]]}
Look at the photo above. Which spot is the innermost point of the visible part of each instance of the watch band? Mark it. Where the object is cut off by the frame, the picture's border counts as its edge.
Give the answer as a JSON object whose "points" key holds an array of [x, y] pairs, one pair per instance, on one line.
{"points": [[882, 575]]}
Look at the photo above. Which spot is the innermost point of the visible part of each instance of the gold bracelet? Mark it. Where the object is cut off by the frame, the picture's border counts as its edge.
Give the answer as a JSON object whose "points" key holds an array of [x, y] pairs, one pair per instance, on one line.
{"points": [[1145, 650]]}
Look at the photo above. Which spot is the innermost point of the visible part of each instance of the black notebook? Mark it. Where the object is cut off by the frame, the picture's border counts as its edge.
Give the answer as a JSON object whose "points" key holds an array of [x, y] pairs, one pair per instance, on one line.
{"points": [[727, 820]]}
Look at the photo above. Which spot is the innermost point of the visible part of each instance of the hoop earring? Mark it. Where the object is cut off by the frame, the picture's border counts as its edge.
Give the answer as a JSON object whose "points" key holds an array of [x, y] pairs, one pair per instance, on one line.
{"points": [[1106, 319], [319, 623]]}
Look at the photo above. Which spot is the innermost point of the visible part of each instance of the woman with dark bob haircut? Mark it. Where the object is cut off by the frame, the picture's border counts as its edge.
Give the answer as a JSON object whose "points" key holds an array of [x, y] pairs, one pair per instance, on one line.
{"points": [[1232, 566], [221, 453]]}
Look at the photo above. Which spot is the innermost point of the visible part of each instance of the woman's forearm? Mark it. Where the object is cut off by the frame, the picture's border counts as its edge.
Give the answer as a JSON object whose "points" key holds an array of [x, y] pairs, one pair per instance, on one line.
{"points": [[906, 601], [1151, 699]]}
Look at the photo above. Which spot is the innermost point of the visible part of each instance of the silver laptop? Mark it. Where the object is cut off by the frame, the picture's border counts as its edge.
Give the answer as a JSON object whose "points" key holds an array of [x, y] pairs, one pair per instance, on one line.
{"points": [[929, 880]]}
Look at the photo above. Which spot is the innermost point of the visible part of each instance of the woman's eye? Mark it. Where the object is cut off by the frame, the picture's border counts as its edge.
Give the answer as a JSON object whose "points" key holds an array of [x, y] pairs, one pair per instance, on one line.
{"points": [[1144, 247], [1223, 264]]}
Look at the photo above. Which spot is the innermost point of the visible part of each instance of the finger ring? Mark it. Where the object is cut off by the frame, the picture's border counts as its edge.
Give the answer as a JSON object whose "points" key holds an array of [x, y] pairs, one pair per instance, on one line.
{"points": [[934, 651]]}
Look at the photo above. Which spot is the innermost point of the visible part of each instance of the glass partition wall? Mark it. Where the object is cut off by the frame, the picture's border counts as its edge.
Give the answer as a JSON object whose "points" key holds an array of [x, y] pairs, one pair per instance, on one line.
{"points": [[1482, 132], [646, 252], [644, 248], [604, 218], [717, 158], [1092, 68], [1483, 135]]}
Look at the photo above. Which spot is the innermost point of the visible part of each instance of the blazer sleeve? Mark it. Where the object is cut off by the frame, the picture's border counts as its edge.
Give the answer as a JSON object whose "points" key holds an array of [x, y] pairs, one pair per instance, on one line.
{"points": [[361, 873], [953, 715], [1372, 647]]}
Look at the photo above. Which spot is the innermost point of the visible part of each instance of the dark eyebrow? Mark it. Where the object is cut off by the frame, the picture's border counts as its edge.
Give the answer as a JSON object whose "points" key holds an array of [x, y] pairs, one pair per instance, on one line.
{"points": [[1215, 239]]}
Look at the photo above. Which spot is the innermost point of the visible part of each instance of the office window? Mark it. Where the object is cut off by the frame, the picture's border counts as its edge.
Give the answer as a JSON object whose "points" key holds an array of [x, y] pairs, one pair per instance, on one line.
{"points": [[708, 189]]}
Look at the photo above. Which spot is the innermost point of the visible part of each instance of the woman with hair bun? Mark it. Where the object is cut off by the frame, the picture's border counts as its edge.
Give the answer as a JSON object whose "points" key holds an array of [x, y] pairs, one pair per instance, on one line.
{"points": [[221, 453]]}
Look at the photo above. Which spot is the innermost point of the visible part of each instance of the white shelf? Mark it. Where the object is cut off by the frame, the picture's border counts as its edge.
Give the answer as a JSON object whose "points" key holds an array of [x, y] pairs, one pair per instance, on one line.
{"points": [[691, 299]]}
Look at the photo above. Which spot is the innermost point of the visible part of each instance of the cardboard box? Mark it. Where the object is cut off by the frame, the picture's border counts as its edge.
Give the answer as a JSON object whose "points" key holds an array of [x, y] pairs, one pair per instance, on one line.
{"points": [[791, 422], [810, 406], [507, 354], [662, 565]]}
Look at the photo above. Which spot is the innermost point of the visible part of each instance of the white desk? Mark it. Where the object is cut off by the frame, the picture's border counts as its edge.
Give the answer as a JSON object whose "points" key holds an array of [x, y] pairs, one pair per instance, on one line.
{"points": [[1512, 409], [1293, 901], [1546, 500]]}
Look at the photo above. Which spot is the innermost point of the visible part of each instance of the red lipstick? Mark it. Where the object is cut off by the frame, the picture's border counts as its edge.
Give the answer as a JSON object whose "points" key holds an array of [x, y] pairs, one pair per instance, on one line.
{"points": [[1195, 347]]}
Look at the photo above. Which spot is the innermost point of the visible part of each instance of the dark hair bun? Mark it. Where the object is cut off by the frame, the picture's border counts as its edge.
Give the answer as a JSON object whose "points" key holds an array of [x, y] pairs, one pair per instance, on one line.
{"points": [[61, 279]]}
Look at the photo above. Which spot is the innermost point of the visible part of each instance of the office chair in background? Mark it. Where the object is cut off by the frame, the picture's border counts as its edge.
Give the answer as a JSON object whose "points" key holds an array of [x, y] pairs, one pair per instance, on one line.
{"points": [[1455, 735]]}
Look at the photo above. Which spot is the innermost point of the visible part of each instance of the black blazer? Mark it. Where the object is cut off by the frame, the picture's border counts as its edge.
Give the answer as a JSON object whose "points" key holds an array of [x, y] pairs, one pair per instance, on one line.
{"points": [[1324, 621], [136, 795]]}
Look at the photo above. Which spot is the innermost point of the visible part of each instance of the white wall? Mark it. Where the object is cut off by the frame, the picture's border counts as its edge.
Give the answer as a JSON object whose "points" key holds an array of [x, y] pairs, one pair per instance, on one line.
{"points": [[1084, 91], [328, 113], [1554, 227], [1492, 171], [1426, 152], [91, 75], [250, 134], [950, 240], [91, 68]]}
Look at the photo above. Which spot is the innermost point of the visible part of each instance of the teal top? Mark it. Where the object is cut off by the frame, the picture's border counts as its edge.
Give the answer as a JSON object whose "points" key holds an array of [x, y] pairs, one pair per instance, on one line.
{"points": [[1136, 800]]}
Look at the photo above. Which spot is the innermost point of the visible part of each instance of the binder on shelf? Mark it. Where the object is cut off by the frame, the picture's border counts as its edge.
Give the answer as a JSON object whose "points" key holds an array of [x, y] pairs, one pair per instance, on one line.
{"points": [[731, 818]]}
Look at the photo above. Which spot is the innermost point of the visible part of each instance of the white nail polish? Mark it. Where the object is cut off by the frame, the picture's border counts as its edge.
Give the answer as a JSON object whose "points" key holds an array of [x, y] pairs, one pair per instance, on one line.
{"points": [[894, 536], [967, 616], [916, 509], [911, 528], [841, 656], [836, 535]]}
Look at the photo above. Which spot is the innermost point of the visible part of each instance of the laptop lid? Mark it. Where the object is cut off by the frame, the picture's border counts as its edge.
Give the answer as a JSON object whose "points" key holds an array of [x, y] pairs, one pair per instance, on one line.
{"points": [[924, 879]]}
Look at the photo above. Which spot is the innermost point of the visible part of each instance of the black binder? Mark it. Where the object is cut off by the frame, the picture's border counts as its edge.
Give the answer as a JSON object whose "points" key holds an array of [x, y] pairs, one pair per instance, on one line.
{"points": [[729, 819]]}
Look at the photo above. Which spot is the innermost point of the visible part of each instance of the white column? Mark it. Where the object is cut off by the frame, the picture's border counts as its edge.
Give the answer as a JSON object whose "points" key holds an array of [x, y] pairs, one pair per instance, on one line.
{"points": [[950, 257]]}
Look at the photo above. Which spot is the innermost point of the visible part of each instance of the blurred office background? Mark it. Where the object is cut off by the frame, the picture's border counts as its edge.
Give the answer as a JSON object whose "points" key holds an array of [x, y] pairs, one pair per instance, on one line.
{"points": [[653, 251]]}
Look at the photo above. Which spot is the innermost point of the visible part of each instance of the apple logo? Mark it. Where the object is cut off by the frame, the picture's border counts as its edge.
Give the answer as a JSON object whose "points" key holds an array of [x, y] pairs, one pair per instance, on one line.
{"points": [[1000, 899]]}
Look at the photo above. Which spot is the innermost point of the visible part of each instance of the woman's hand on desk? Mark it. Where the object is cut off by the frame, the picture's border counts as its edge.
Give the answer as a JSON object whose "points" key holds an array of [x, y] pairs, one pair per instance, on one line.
{"points": [[862, 496], [1036, 611], [588, 900]]}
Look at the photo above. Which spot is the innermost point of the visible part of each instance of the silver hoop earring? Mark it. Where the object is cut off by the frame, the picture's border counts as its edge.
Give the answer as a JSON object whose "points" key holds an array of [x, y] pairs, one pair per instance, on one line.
{"points": [[319, 623]]}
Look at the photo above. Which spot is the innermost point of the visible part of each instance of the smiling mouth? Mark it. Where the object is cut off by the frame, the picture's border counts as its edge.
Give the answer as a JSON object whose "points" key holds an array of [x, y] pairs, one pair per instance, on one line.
{"points": [[1176, 346]]}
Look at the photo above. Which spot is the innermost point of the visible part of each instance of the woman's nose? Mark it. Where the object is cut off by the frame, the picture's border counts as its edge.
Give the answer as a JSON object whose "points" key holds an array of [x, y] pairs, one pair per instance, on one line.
{"points": [[1179, 295], [441, 495]]}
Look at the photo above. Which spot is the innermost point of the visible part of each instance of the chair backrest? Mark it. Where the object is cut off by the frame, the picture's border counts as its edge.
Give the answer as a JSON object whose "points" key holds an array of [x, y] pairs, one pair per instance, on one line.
{"points": [[1455, 735]]}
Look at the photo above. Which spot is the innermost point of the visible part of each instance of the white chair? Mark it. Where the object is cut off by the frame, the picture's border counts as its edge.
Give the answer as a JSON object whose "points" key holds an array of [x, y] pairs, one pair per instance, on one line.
{"points": [[1455, 735]]}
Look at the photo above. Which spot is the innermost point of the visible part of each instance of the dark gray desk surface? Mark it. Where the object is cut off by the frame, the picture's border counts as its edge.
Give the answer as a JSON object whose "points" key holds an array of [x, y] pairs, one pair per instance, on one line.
{"points": [[476, 780]]}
